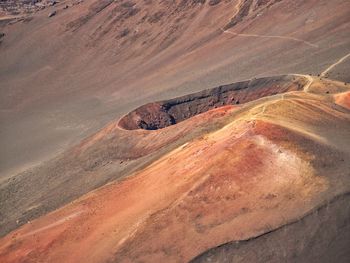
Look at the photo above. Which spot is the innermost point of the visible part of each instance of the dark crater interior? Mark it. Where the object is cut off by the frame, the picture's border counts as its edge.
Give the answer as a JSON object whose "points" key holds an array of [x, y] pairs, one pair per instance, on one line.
{"points": [[158, 115]]}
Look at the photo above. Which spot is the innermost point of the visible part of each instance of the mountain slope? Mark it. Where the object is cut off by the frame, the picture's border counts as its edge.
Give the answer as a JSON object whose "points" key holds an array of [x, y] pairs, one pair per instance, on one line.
{"points": [[271, 163], [65, 77], [104, 159]]}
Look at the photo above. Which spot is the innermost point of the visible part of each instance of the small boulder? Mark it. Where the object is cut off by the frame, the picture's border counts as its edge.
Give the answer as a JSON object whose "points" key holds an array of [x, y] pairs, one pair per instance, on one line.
{"points": [[52, 14]]}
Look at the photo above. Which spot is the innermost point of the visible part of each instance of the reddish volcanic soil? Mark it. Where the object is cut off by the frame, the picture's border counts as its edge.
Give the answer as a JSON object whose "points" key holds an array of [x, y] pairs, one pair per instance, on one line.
{"points": [[343, 99], [64, 78], [114, 153], [273, 162], [104, 158]]}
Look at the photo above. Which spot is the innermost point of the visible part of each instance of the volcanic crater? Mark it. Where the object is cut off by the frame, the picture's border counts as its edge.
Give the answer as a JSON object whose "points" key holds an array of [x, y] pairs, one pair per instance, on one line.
{"points": [[161, 114], [254, 171]]}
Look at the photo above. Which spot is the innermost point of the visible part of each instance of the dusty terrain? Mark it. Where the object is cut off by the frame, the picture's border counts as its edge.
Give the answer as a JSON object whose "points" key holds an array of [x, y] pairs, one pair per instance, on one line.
{"points": [[261, 166], [65, 77], [110, 154], [175, 131]]}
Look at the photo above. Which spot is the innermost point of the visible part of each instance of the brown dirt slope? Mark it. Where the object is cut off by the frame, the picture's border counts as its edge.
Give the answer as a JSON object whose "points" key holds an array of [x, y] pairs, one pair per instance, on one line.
{"points": [[240, 172], [269, 164], [114, 153], [65, 77]]}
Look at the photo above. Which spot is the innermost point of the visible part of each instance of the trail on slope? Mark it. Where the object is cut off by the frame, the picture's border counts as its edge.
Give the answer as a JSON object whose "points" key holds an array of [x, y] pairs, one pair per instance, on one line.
{"points": [[271, 36], [57, 223], [309, 83], [341, 60]]}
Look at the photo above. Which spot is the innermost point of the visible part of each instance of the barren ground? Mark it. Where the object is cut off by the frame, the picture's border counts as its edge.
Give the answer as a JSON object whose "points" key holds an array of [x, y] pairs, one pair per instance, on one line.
{"points": [[171, 131]]}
